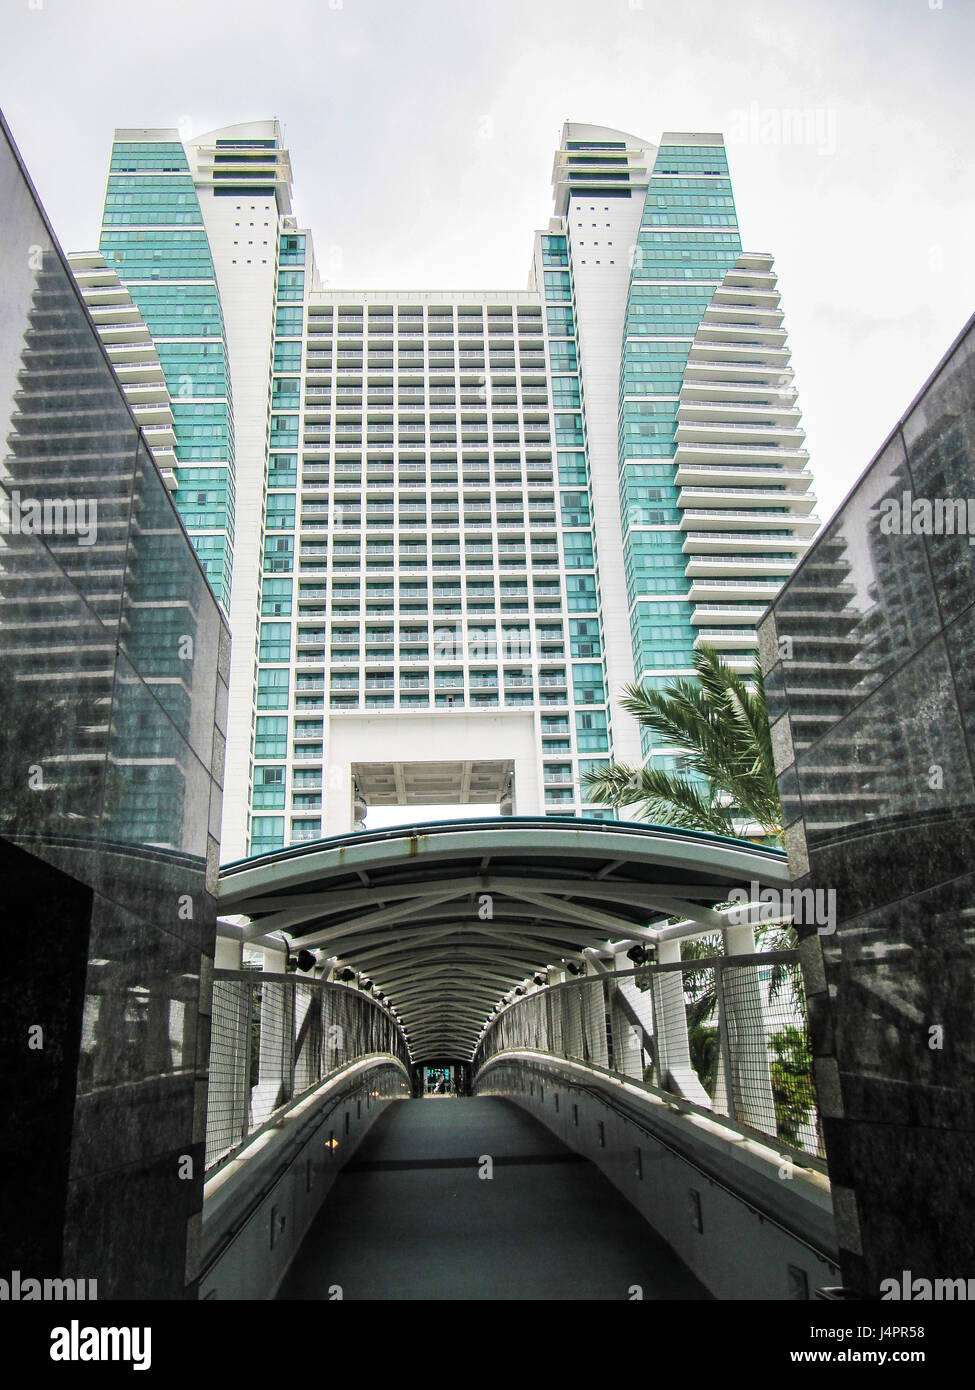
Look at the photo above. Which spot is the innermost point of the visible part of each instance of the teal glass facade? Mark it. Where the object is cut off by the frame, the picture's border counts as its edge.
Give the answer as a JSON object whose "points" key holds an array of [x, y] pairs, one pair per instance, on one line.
{"points": [[274, 656], [674, 276], [153, 237], [579, 554]]}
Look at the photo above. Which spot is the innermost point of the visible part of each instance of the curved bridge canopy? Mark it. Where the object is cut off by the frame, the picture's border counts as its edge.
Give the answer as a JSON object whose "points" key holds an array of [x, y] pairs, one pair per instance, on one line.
{"points": [[447, 918]]}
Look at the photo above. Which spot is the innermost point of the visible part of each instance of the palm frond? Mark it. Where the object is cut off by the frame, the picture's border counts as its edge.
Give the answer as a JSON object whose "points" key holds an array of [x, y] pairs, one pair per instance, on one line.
{"points": [[666, 798], [716, 728]]}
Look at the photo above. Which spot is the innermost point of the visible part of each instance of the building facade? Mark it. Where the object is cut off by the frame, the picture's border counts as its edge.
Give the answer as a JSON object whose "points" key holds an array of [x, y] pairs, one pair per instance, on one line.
{"points": [[114, 659], [449, 528], [869, 652]]}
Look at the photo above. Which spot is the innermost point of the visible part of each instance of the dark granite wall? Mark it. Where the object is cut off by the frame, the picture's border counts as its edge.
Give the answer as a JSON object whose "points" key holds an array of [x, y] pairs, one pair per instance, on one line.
{"points": [[114, 660], [49, 919], [869, 653]]}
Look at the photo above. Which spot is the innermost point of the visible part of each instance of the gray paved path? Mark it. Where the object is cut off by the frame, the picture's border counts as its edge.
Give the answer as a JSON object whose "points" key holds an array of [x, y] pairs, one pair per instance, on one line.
{"points": [[409, 1218]]}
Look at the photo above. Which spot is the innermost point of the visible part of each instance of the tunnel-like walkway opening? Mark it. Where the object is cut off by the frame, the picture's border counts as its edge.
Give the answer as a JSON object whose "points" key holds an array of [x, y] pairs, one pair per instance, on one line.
{"points": [[442, 922], [442, 1076]]}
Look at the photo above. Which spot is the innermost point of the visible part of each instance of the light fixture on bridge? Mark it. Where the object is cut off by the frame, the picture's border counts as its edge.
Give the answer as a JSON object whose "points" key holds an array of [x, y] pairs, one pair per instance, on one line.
{"points": [[347, 975], [538, 979], [574, 968], [639, 955], [304, 960]]}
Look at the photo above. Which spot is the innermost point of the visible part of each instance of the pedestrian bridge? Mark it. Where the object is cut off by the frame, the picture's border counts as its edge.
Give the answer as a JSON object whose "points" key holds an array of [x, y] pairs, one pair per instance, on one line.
{"points": [[594, 1071]]}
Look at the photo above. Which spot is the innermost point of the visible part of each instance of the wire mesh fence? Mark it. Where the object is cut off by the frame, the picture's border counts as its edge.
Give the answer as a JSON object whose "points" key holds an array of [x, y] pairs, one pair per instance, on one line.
{"points": [[768, 1073], [726, 1033], [273, 1038]]}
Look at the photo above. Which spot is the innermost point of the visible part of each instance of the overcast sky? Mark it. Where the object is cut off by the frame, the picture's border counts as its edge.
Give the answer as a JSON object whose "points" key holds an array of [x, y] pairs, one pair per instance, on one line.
{"points": [[422, 134]]}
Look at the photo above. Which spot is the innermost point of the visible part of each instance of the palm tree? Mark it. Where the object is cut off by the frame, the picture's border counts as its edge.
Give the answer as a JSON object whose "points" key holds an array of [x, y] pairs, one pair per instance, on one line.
{"points": [[719, 729]]}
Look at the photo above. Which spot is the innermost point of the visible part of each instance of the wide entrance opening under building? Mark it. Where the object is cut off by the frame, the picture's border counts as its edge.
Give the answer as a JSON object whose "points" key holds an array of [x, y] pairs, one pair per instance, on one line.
{"points": [[398, 793]]}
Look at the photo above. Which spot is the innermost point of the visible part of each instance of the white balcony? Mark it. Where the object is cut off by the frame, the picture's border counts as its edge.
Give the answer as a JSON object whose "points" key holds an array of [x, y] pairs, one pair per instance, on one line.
{"points": [[721, 499], [708, 543], [700, 406], [728, 475], [726, 452], [719, 357], [710, 588], [737, 432], [739, 521], [706, 615], [727, 638], [745, 313], [736, 566], [736, 333]]}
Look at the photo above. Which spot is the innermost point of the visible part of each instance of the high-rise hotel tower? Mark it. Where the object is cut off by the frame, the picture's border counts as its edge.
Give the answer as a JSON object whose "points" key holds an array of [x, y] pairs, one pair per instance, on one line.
{"points": [[449, 527]]}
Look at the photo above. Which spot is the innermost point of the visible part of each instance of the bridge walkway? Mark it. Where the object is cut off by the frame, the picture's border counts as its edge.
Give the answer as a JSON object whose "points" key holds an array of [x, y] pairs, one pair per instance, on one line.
{"points": [[410, 1217]]}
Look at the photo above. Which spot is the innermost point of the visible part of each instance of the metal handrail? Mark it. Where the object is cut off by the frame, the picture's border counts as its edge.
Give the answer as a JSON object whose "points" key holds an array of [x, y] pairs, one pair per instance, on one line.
{"points": [[751, 1067], [276, 1037]]}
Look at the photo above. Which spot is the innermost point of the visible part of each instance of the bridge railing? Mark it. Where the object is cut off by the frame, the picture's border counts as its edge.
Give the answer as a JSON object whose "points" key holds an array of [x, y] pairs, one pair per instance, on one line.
{"points": [[724, 1035], [273, 1038]]}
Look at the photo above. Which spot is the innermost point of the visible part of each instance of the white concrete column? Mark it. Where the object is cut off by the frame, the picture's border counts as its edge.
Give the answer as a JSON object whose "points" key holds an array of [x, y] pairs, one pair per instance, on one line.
{"points": [[742, 1016], [228, 1100], [228, 954], [307, 1032], [556, 1040], [528, 791], [594, 1016], [339, 808], [630, 1052], [274, 1080], [673, 1049], [275, 960]]}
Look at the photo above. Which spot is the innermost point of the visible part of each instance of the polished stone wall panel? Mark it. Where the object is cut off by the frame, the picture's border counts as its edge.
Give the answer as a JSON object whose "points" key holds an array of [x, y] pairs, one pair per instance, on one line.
{"points": [[39, 1071], [129, 1227], [114, 657], [878, 684]]}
